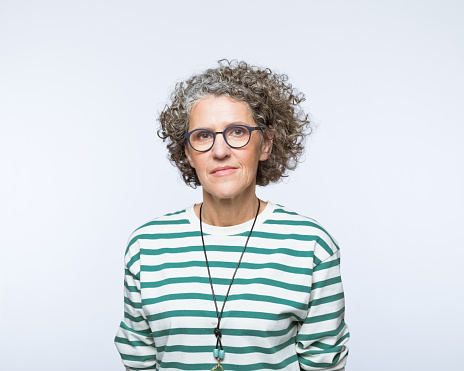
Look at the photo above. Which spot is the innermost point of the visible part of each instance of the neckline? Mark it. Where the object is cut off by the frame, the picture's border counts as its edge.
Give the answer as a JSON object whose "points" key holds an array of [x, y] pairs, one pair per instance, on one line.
{"points": [[233, 229]]}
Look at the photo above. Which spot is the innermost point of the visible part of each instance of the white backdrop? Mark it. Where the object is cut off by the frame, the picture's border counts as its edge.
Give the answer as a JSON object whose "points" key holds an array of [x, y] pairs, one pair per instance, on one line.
{"points": [[81, 83]]}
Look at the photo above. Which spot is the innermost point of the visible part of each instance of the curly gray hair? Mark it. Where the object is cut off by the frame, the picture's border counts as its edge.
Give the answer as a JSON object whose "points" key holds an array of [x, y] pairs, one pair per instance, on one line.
{"points": [[273, 103]]}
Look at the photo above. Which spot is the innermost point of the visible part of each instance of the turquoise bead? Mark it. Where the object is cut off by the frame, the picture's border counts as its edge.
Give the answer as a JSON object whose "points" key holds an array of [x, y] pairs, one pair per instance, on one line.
{"points": [[222, 353], [216, 353]]}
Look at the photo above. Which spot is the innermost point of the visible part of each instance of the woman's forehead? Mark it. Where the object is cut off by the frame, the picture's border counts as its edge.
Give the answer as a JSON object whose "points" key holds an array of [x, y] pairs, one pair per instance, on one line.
{"points": [[219, 111]]}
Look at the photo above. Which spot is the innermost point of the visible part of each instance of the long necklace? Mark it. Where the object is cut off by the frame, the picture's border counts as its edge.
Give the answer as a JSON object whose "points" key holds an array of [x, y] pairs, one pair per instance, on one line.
{"points": [[219, 352]]}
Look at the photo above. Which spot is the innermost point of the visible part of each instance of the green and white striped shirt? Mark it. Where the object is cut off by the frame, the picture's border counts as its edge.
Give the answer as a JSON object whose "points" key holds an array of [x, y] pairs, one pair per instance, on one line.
{"points": [[285, 310]]}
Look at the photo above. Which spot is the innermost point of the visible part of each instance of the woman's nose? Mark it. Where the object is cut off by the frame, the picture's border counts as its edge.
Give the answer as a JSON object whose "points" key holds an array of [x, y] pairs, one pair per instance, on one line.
{"points": [[220, 148]]}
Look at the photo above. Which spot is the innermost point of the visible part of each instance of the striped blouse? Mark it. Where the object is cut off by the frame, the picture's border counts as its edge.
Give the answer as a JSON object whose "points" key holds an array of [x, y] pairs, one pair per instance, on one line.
{"points": [[285, 310]]}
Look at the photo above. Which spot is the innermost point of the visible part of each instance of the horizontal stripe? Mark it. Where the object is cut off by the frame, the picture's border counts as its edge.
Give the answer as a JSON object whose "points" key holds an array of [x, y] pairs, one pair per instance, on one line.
{"points": [[130, 288], [256, 234], [220, 298], [227, 314], [327, 299], [230, 265], [326, 265], [282, 211], [322, 351], [229, 349], [325, 246], [176, 213], [322, 345], [282, 236], [144, 333], [225, 331], [133, 304], [133, 318], [229, 366], [328, 282], [300, 223], [161, 236], [325, 317], [165, 222], [249, 250], [320, 335], [223, 281], [121, 340], [343, 338], [134, 259], [129, 357], [321, 365]]}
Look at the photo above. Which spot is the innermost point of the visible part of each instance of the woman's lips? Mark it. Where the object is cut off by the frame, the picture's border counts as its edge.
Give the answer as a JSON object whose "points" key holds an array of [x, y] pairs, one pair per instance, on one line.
{"points": [[223, 170]]}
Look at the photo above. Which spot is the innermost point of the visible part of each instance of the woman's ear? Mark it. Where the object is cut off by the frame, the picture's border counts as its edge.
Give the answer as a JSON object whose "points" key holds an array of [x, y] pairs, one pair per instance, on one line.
{"points": [[266, 145]]}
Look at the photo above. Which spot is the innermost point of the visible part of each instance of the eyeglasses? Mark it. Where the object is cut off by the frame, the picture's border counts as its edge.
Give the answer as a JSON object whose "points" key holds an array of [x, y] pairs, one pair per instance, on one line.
{"points": [[236, 136]]}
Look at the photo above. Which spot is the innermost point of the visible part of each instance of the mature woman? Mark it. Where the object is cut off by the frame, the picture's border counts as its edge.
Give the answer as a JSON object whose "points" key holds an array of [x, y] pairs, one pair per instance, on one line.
{"points": [[233, 282]]}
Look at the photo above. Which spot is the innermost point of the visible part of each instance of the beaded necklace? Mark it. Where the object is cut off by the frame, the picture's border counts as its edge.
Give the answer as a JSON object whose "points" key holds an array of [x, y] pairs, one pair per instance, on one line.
{"points": [[219, 351]]}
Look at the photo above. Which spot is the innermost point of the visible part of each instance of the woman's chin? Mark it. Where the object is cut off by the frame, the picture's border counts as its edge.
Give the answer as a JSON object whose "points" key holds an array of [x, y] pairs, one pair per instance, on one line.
{"points": [[224, 195], [226, 191]]}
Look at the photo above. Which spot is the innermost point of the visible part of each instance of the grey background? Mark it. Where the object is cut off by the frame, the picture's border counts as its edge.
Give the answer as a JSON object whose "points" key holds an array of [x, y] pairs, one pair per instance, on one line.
{"points": [[81, 83]]}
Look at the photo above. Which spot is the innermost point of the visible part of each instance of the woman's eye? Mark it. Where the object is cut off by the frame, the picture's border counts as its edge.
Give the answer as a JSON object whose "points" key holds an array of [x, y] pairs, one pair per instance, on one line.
{"points": [[238, 132], [203, 135]]}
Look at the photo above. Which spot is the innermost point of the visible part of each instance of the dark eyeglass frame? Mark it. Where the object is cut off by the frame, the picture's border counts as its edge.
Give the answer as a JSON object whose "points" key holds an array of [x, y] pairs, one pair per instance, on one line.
{"points": [[249, 128]]}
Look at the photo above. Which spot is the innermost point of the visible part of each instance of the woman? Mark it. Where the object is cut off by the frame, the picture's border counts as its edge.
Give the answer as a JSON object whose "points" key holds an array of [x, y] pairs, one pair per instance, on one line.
{"points": [[233, 282]]}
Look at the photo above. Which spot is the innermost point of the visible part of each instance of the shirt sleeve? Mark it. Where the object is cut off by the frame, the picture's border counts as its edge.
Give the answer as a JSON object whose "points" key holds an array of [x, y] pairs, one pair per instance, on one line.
{"points": [[134, 339], [320, 343]]}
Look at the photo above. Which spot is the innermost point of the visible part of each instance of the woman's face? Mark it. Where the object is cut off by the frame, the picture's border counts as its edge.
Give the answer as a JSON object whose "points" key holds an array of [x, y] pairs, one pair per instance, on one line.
{"points": [[225, 172]]}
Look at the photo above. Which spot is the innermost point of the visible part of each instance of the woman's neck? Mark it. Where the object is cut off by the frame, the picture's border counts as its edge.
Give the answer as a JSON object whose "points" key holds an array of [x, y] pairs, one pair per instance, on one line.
{"points": [[228, 212]]}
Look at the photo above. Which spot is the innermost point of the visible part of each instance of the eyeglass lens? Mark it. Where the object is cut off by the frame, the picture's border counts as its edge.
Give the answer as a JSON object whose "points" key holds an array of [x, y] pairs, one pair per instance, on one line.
{"points": [[235, 136]]}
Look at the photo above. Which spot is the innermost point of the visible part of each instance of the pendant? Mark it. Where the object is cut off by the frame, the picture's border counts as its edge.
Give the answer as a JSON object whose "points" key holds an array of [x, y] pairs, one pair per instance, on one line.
{"points": [[218, 367]]}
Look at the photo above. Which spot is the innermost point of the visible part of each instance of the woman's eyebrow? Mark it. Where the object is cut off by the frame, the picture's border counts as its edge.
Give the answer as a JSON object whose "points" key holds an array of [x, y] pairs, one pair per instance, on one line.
{"points": [[233, 123], [236, 123]]}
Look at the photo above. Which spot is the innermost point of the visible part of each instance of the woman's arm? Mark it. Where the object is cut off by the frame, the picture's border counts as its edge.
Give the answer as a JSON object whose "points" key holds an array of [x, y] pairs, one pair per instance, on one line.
{"points": [[134, 339], [321, 338]]}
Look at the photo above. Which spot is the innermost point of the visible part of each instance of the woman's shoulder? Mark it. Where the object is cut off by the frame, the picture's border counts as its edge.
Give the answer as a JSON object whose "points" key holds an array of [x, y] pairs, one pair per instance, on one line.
{"points": [[165, 226], [295, 225], [284, 216], [160, 223], [285, 213]]}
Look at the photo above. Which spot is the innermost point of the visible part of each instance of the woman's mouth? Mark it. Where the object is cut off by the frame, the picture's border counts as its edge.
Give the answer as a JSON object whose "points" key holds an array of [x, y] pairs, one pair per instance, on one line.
{"points": [[223, 171]]}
